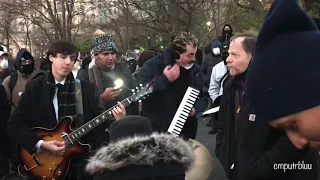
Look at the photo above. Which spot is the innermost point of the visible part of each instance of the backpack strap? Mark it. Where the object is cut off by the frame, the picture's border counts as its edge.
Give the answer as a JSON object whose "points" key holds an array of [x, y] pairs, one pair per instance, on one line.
{"points": [[13, 81]]}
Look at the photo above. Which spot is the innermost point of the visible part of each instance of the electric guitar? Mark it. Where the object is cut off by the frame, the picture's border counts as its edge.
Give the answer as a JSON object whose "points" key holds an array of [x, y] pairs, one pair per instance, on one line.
{"points": [[44, 166]]}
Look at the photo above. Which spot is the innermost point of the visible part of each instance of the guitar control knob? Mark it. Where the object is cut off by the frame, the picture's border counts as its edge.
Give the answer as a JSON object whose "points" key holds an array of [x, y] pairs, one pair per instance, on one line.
{"points": [[54, 164], [44, 177], [59, 173], [50, 170]]}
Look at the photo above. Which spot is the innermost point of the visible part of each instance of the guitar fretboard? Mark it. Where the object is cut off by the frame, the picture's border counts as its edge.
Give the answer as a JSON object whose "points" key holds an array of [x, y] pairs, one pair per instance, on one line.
{"points": [[84, 129]]}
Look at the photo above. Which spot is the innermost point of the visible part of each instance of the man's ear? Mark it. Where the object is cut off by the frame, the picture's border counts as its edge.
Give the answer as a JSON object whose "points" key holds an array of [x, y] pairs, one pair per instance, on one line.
{"points": [[250, 56], [51, 58]]}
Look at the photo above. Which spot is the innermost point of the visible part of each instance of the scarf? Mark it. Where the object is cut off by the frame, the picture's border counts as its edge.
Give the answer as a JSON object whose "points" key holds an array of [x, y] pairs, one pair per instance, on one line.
{"points": [[66, 96], [95, 78]]}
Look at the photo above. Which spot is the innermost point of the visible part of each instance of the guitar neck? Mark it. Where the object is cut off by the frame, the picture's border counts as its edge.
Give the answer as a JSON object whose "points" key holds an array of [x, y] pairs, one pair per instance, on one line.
{"points": [[86, 128]]}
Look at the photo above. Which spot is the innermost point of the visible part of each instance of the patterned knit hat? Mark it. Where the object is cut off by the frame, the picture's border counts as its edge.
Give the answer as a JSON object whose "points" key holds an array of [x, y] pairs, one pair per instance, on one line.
{"points": [[283, 77], [103, 42]]}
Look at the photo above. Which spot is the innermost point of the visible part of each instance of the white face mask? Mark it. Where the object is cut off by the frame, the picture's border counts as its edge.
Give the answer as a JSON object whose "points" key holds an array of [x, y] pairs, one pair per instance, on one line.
{"points": [[216, 51], [137, 51], [187, 67], [4, 64]]}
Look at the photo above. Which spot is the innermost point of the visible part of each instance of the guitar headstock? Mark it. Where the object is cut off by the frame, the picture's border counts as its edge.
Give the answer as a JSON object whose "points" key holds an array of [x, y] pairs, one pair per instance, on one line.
{"points": [[141, 91]]}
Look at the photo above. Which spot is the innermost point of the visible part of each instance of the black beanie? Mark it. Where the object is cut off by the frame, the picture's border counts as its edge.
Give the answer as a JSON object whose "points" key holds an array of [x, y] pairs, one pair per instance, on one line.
{"points": [[27, 56], [130, 126], [283, 77]]}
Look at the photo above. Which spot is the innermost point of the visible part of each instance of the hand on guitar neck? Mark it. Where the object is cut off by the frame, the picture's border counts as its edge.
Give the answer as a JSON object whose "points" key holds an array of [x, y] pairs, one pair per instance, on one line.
{"points": [[119, 111]]}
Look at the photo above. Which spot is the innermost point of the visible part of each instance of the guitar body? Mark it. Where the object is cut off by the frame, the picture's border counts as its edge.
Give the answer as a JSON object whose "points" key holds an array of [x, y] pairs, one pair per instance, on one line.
{"points": [[43, 165]]}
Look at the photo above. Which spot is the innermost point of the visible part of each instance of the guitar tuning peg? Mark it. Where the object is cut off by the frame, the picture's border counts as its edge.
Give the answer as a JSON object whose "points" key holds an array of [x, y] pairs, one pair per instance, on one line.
{"points": [[137, 88], [132, 90], [140, 85]]}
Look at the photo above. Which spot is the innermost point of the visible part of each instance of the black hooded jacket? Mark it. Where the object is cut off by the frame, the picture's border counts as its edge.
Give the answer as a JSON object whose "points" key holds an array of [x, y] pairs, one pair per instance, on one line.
{"points": [[23, 53], [225, 37]]}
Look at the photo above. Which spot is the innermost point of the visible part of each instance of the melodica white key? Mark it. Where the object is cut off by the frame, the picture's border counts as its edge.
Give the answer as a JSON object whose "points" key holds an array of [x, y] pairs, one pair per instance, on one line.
{"points": [[183, 111]]}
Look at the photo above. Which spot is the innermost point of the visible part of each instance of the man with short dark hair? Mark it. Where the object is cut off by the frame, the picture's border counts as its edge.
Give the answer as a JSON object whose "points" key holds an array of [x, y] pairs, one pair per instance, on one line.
{"points": [[49, 98], [174, 71], [247, 146]]}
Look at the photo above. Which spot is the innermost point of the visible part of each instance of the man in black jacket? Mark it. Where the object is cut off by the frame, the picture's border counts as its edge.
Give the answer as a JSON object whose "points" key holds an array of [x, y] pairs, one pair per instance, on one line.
{"points": [[50, 97], [174, 71], [247, 147]]}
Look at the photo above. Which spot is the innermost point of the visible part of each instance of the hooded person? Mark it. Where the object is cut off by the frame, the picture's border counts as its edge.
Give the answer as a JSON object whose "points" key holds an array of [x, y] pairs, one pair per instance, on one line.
{"points": [[5, 67], [136, 153], [211, 60], [283, 87], [227, 33], [16, 82], [131, 61]]}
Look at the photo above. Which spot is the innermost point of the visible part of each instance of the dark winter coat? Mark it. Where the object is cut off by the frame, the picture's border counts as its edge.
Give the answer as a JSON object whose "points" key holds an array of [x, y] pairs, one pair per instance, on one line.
{"points": [[225, 37], [252, 152], [163, 103], [36, 109]]}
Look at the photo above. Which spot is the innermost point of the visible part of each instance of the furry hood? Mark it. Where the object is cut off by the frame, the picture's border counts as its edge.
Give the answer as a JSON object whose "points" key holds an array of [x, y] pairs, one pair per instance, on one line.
{"points": [[142, 150]]}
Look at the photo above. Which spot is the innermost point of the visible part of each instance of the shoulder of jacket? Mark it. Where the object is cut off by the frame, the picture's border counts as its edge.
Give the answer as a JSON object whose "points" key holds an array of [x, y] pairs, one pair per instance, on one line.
{"points": [[6, 80], [37, 81], [86, 84]]}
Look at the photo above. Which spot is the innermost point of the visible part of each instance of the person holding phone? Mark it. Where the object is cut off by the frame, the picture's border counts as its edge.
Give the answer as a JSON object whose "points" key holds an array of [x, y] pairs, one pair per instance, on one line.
{"points": [[103, 71]]}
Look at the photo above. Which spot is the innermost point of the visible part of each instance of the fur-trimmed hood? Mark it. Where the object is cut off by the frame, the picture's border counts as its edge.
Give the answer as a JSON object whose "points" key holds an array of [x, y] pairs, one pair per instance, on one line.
{"points": [[142, 150]]}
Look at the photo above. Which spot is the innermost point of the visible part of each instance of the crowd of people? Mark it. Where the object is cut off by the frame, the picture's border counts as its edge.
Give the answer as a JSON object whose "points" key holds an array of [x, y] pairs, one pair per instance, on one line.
{"points": [[265, 85]]}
